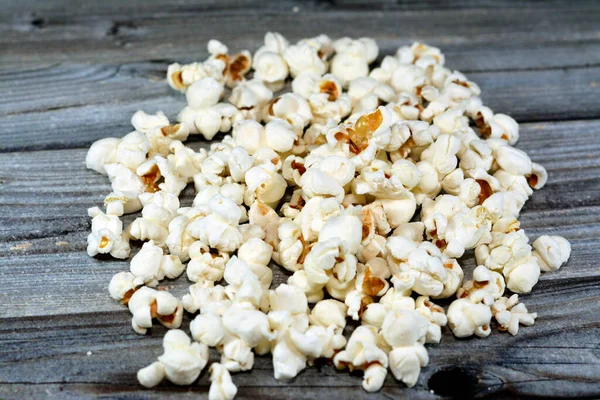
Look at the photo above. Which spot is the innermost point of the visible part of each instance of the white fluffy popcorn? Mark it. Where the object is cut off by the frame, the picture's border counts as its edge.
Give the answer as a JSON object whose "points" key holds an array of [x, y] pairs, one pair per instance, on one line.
{"points": [[551, 252], [509, 313], [150, 265], [221, 385], [107, 236], [325, 161], [181, 362], [159, 210], [147, 304], [363, 353]]}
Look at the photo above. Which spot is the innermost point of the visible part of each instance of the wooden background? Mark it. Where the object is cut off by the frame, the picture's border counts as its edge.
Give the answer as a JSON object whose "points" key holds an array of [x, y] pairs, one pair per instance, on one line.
{"points": [[73, 72]]}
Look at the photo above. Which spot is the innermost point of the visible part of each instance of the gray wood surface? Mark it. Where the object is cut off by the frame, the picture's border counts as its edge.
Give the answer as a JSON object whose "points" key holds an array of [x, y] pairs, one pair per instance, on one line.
{"points": [[72, 72]]}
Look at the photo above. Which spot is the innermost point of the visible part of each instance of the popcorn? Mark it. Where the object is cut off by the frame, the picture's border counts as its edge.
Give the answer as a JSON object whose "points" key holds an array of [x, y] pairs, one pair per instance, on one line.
{"points": [[436, 317], [123, 285], [221, 385], [206, 297], [352, 58], [204, 114], [551, 252], [152, 172], [205, 264], [292, 108], [150, 265], [303, 57], [219, 228], [405, 331], [126, 186], [250, 98], [363, 353], [146, 304], [265, 184], [509, 313], [181, 362], [360, 149], [159, 210], [107, 235], [466, 317], [130, 151]]}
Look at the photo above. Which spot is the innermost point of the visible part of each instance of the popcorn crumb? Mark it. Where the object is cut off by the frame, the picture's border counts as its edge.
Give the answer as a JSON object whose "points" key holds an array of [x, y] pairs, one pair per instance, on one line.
{"points": [[23, 246]]}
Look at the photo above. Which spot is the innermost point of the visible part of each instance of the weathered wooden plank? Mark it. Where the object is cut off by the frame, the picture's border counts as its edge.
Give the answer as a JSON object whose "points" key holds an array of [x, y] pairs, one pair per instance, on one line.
{"points": [[36, 12], [44, 197], [78, 391], [86, 102], [556, 356], [176, 35], [64, 265], [55, 184]]}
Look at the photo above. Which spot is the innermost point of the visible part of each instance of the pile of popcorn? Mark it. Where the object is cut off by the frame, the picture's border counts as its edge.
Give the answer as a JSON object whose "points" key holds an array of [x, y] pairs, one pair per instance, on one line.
{"points": [[366, 184]]}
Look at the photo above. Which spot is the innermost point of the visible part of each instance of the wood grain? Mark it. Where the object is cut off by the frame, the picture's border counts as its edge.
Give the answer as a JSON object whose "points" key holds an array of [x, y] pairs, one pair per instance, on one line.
{"points": [[72, 72], [83, 103], [154, 32]]}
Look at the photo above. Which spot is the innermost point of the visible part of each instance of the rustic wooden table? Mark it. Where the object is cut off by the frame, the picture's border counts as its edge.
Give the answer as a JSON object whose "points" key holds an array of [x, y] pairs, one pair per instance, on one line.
{"points": [[72, 72]]}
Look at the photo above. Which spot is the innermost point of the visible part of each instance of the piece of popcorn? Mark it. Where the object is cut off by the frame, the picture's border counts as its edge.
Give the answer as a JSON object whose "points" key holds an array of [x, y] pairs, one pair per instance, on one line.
{"points": [[126, 186], [180, 77], [204, 114], [291, 248], [181, 362], [270, 66], [366, 93], [158, 169], [303, 58], [206, 297], [405, 331], [266, 218], [205, 264], [250, 98], [509, 313], [292, 108], [279, 135], [150, 265], [180, 238], [248, 324], [347, 226], [185, 161], [522, 276], [130, 150], [504, 250], [352, 58], [328, 313], [466, 318], [265, 184], [221, 385], [314, 182], [485, 287], [236, 355], [551, 252], [257, 254], [420, 267], [160, 133], [363, 353], [513, 161], [107, 235], [146, 304], [327, 258], [219, 228], [123, 285], [436, 317], [159, 210]]}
